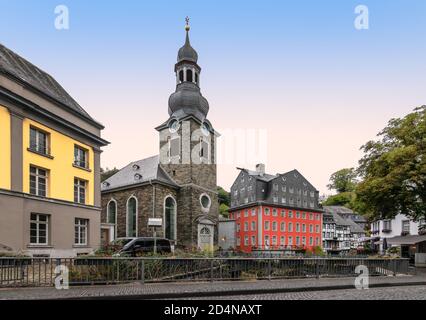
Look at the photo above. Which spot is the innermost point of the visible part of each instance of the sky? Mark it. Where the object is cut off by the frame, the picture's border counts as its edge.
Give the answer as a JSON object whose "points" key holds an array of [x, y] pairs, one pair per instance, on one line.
{"points": [[297, 74]]}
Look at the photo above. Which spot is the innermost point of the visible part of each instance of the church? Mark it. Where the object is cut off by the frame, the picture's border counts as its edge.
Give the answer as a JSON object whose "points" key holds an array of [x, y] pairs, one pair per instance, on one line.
{"points": [[179, 184]]}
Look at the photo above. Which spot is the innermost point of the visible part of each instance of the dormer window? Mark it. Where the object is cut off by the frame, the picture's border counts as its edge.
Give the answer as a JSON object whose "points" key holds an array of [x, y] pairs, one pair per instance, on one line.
{"points": [[138, 177], [135, 167]]}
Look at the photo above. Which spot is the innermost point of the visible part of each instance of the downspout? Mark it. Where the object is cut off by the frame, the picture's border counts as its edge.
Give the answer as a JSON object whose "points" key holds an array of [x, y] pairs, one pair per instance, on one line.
{"points": [[153, 215], [153, 197]]}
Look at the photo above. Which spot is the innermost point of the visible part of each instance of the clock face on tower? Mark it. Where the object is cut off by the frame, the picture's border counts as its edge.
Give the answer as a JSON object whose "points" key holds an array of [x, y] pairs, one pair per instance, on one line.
{"points": [[205, 129], [174, 126]]}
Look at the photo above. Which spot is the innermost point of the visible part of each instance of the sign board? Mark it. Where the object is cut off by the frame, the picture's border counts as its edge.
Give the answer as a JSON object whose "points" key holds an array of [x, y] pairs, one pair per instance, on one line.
{"points": [[155, 222]]}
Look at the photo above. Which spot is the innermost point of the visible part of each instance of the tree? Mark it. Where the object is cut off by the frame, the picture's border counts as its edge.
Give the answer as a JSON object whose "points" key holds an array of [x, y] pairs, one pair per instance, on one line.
{"points": [[224, 196], [106, 173], [224, 210], [343, 180], [393, 169], [340, 199], [224, 201]]}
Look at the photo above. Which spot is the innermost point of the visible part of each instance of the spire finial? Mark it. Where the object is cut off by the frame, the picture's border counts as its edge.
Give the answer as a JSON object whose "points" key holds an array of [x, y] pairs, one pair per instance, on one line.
{"points": [[187, 27]]}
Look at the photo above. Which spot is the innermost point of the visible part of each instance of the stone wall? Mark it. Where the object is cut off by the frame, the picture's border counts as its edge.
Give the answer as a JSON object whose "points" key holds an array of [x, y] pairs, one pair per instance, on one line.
{"points": [[144, 195]]}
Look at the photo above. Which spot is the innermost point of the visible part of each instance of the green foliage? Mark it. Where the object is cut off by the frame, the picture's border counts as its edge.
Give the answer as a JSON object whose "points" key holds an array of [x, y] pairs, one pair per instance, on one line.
{"points": [[340, 199], [106, 173], [343, 180], [317, 250], [224, 210], [224, 196], [393, 169]]}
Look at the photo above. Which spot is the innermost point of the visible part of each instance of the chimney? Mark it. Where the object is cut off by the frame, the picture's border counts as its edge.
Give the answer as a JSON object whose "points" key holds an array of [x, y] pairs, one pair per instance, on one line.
{"points": [[260, 168]]}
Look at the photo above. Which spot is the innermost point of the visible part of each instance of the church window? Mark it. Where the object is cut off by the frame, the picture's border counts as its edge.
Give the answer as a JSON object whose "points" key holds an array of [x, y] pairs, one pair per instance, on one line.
{"points": [[112, 212], [170, 218], [181, 76], [205, 201], [131, 217], [196, 78]]}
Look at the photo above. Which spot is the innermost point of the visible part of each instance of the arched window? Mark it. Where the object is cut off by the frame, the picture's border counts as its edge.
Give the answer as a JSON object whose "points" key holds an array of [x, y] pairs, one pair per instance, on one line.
{"points": [[196, 77], [189, 75], [170, 218], [131, 220], [112, 212], [181, 76], [205, 231]]}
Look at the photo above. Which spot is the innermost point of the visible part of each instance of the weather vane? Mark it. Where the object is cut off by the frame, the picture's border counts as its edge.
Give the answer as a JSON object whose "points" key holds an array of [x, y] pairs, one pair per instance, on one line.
{"points": [[187, 23]]}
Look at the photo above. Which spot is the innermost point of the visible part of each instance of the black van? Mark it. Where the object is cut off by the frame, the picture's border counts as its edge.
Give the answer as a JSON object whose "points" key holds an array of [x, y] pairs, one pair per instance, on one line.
{"points": [[140, 246]]}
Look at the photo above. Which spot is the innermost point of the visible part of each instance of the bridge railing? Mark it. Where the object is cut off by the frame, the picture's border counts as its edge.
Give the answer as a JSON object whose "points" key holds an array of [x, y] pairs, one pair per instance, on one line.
{"points": [[35, 272]]}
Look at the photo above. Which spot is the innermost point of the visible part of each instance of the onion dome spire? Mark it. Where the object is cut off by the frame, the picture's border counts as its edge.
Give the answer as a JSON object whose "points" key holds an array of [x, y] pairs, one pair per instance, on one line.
{"points": [[187, 99], [187, 52]]}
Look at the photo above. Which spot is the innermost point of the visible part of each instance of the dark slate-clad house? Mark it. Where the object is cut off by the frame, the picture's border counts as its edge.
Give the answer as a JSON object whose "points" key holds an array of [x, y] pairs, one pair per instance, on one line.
{"points": [[275, 211], [178, 185]]}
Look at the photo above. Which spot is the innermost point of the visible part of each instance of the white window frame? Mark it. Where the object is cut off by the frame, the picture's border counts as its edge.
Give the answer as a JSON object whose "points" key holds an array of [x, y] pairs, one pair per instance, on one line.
{"points": [[81, 227], [77, 184], [37, 223], [38, 176], [77, 158], [36, 148]]}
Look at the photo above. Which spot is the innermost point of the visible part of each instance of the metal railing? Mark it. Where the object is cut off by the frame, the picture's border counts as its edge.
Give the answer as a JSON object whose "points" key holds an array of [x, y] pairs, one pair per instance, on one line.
{"points": [[86, 271]]}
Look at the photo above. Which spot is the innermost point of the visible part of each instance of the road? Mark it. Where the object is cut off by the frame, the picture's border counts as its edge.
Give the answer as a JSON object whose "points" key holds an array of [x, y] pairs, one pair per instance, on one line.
{"points": [[393, 293]]}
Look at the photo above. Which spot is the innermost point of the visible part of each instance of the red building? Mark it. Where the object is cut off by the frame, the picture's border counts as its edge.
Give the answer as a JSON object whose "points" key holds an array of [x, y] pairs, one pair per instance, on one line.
{"points": [[275, 212]]}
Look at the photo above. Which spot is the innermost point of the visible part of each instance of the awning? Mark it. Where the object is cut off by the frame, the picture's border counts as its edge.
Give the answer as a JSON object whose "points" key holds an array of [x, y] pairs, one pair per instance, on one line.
{"points": [[406, 240]]}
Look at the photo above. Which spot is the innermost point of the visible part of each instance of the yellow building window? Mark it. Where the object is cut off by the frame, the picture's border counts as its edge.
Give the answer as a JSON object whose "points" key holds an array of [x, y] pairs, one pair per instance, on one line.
{"points": [[39, 141], [81, 158], [80, 190], [38, 181]]}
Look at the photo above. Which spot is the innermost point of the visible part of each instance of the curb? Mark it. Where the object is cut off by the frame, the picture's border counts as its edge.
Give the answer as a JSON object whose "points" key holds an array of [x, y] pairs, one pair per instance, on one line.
{"points": [[177, 295]]}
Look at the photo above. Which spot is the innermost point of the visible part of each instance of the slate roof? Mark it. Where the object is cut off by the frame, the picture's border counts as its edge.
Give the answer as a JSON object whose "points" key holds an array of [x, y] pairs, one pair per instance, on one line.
{"points": [[341, 210], [263, 177], [19, 68], [337, 211], [355, 228], [138, 172]]}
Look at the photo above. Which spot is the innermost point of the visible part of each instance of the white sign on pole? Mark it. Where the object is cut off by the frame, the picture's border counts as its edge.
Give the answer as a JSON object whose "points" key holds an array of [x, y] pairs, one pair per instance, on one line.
{"points": [[155, 222]]}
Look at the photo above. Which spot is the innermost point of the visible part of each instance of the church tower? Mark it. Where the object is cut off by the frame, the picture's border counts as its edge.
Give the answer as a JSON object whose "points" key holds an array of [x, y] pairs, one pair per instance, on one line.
{"points": [[188, 154]]}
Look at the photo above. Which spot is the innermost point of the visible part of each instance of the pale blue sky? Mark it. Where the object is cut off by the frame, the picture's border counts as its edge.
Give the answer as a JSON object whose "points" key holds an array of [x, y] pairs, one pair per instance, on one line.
{"points": [[297, 68]]}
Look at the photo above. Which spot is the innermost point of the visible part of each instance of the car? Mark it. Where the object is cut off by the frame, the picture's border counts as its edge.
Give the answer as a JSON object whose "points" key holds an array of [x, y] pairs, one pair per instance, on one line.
{"points": [[139, 246], [121, 242]]}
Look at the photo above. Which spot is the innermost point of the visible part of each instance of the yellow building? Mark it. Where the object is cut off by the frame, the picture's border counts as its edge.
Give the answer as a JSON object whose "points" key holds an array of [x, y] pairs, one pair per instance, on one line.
{"points": [[49, 165]]}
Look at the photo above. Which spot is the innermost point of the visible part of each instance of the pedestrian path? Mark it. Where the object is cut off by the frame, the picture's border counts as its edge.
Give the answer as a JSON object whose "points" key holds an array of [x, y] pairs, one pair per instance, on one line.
{"points": [[203, 289]]}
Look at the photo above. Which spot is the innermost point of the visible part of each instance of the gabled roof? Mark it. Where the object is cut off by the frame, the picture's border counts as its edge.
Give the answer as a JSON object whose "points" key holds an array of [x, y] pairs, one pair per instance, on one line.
{"points": [[138, 172], [22, 70]]}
